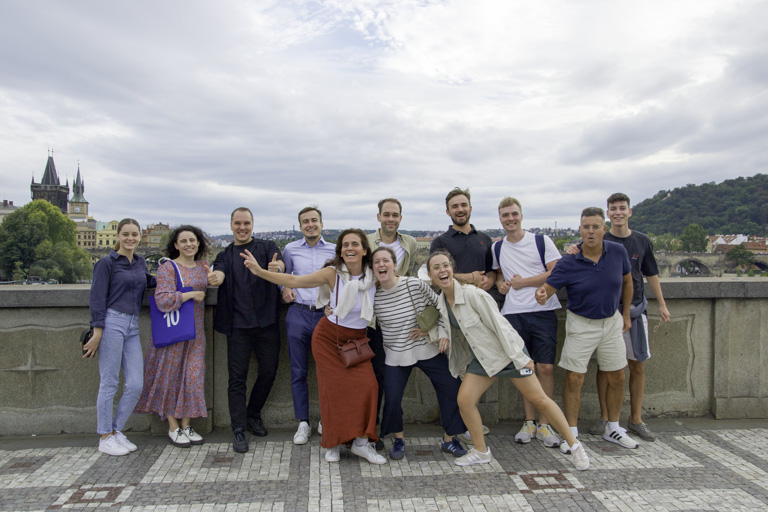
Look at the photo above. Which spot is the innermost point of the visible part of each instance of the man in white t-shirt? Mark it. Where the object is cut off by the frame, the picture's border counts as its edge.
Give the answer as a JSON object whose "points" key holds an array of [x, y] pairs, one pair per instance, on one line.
{"points": [[526, 261]]}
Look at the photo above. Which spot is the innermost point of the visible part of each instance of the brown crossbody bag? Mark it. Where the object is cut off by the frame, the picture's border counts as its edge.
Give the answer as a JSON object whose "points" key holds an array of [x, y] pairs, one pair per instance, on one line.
{"points": [[352, 352]]}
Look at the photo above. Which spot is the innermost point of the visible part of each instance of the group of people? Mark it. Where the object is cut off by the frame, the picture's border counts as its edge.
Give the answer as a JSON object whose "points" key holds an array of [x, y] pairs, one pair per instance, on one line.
{"points": [[365, 287], [166, 381]]}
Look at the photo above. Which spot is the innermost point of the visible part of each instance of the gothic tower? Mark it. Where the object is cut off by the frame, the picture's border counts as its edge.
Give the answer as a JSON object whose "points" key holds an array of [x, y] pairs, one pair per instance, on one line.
{"points": [[78, 206], [50, 188]]}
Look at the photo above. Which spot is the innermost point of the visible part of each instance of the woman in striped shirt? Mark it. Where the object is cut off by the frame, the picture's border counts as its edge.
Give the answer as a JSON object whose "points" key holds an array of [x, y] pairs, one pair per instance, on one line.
{"points": [[398, 300]]}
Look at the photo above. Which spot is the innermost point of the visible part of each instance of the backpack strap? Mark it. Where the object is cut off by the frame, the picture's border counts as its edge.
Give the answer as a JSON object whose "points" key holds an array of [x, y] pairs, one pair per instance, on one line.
{"points": [[497, 251], [539, 245], [541, 248]]}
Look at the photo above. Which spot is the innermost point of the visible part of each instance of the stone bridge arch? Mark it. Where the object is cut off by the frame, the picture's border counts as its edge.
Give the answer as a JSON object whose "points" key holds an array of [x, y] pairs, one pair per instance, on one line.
{"points": [[692, 267], [673, 264]]}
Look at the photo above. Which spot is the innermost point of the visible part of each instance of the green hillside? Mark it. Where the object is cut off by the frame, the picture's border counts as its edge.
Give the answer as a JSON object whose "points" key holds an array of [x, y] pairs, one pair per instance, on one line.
{"points": [[733, 206]]}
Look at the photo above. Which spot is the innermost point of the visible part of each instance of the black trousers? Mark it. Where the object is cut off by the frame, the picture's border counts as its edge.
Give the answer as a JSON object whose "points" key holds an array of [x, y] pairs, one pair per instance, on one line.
{"points": [[264, 342]]}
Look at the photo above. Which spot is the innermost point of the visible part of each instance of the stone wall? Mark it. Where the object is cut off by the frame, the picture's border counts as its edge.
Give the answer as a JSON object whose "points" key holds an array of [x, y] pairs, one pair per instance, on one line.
{"points": [[711, 358]]}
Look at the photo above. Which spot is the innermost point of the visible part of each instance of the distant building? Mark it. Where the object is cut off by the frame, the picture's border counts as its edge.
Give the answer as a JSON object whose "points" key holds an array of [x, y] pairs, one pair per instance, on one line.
{"points": [[422, 242], [756, 246], [153, 235], [85, 233], [50, 188], [106, 234], [6, 208], [78, 206], [724, 240], [77, 210]]}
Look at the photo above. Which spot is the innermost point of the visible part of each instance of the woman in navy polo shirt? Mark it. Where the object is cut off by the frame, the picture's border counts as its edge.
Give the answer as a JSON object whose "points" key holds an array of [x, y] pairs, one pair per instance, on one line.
{"points": [[119, 282]]}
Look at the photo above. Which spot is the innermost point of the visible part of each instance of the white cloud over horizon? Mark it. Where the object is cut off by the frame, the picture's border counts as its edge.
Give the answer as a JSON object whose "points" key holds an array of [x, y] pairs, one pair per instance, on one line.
{"points": [[180, 111]]}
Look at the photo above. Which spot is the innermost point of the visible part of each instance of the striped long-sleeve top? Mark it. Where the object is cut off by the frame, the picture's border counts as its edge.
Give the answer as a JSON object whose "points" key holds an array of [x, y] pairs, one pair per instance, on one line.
{"points": [[397, 316]]}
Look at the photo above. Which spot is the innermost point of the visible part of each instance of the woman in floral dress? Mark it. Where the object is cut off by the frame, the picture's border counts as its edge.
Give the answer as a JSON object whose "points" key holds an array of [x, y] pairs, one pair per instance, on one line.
{"points": [[174, 375]]}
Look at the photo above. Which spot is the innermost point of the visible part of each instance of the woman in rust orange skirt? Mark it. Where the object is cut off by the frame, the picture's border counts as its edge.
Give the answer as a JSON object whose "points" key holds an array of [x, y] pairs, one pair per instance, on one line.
{"points": [[348, 396]]}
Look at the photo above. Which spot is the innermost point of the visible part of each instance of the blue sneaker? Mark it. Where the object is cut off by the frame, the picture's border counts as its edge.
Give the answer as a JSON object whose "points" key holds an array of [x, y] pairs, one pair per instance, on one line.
{"points": [[398, 449], [453, 447]]}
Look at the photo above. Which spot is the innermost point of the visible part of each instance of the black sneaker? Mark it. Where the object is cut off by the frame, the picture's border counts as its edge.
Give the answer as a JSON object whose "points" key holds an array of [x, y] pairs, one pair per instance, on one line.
{"points": [[256, 426], [398, 449], [239, 442], [379, 445], [453, 447]]}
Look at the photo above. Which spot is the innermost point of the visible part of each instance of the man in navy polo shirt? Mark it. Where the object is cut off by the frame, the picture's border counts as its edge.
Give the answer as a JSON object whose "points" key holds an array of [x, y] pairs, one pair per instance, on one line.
{"points": [[302, 257], [471, 249], [596, 280]]}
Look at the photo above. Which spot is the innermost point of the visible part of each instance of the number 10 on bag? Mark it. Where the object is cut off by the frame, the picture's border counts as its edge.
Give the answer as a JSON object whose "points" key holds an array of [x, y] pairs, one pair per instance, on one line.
{"points": [[173, 326]]}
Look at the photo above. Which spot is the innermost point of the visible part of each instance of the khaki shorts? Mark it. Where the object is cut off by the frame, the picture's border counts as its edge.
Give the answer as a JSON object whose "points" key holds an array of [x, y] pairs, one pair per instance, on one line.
{"points": [[583, 336]]}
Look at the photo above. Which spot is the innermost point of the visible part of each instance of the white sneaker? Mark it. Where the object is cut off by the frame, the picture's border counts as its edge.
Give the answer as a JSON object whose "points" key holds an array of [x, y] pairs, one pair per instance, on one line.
{"points": [[546, 435], [332, 454], [527, 432], [179, 438], [564, 448], [466, 437], [111, 446], [620, 437], [193, 436], [579, 457], [320, 427], [474, 457], [368, 452], [124, 441], [302, 434]]}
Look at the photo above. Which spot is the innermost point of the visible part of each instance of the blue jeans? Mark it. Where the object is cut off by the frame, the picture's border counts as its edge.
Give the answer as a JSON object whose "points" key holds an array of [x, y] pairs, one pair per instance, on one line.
{"points": [[120, 346], [446, 388], [300, 323]]}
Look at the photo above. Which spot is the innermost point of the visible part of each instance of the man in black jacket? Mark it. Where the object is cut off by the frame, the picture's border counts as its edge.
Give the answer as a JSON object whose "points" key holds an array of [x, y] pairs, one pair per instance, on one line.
{"points": [[247, 313]]}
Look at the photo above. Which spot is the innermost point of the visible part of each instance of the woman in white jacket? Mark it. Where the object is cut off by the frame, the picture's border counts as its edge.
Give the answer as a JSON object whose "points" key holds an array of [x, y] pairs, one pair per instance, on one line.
{"points": [[483, 346]]}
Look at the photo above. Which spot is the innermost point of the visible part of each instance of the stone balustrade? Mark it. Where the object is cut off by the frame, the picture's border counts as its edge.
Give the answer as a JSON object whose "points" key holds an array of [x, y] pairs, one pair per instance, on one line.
{"points": [[712, 358]]}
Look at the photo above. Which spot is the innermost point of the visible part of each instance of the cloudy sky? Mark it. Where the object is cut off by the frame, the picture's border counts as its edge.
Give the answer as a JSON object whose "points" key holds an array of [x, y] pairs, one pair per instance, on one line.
{"points": [[181, 111]]}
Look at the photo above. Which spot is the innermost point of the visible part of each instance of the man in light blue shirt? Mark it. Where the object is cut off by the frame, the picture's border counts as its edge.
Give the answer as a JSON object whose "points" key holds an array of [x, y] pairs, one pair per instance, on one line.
{"points": [[303, 257]]}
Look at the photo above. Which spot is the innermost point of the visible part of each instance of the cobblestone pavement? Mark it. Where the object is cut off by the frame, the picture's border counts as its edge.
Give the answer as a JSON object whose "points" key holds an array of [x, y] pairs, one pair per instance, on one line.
{"points": [[695, 464]]}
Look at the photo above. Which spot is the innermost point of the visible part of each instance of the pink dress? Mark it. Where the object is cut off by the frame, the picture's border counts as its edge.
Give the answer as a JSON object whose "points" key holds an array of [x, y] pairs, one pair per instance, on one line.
{"points": [[174, 375]]}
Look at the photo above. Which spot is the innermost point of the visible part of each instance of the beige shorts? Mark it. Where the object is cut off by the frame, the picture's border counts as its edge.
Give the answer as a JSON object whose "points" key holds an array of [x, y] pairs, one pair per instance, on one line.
{"points": [[583, 336]]}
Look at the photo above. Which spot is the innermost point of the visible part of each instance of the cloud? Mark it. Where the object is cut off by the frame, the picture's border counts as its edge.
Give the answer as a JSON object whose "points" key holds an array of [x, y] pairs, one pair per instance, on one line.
{"points": [[180, 112], [638, 136]]}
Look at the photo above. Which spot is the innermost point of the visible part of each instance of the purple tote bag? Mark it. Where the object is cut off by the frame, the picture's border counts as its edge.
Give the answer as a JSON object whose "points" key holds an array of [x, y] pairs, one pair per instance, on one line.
{"points": [[173, 326]]}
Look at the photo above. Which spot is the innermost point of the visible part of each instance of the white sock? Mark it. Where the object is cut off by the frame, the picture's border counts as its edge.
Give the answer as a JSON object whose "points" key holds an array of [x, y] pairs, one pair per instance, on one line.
{"points": [[612, 425], [361, 441], [575, 431]]}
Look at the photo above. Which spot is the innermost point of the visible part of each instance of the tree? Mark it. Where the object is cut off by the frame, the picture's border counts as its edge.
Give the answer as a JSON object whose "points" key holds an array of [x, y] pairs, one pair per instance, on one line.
{"points": [[734, 206], [665, 242], [39, 237], [693, 239], [740, 256], [562, 240]]}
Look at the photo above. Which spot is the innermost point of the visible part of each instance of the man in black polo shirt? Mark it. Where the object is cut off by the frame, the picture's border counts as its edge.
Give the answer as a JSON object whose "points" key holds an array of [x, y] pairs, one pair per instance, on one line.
{"points": [[471, 250], [247, 313]]}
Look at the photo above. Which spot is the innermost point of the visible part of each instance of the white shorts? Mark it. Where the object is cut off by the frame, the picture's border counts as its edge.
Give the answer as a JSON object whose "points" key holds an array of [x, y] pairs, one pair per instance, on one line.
{"points": [[584, 336]]}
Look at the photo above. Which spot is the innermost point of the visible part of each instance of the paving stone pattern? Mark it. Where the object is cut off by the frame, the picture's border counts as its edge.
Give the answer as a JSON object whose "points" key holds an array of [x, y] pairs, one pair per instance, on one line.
{"points": [[718, 469]]}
